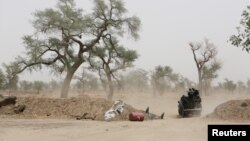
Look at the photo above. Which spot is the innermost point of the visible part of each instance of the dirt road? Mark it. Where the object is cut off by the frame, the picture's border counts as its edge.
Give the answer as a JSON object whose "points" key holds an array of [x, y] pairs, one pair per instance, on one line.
{"points": [[173, 129]]}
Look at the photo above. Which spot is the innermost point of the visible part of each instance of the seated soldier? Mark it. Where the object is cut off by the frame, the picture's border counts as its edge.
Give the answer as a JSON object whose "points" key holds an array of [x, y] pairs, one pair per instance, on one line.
{"points": [[192, 98], [196, 96]]}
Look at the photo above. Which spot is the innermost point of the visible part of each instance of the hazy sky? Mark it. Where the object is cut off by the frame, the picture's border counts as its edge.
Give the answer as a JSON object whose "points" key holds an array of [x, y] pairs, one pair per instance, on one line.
{"points": [[167, 28]]}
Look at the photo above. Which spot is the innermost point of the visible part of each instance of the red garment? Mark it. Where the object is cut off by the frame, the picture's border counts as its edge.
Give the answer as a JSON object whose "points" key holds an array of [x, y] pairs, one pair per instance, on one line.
{"points": [[136, 116]]}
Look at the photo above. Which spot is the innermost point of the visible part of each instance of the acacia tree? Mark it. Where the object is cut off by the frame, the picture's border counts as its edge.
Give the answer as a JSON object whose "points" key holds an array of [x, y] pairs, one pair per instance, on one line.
{"points": [[86, 81], [11, 78], [161, 78], [242, 39], [2, 80], [38, 86], [183, 83], [53, 85], [203, 53], [25, 85], [64, 35], [108, 58], [136, 80], [248, 85], [229, 85], [241, 87], [209, 72]]}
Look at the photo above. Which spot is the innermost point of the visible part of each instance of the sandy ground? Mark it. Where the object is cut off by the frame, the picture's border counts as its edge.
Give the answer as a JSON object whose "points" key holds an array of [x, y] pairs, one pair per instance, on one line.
{"points": [[172, 127]]}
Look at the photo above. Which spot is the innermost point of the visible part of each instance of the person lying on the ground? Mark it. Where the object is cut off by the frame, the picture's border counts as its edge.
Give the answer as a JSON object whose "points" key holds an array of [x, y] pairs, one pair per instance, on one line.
{"points": [[116, 109], [151, 116]]}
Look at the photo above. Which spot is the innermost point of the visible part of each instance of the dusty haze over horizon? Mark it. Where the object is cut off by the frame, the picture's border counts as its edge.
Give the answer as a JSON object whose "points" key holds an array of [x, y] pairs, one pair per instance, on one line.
{"points": [[167, 28]]}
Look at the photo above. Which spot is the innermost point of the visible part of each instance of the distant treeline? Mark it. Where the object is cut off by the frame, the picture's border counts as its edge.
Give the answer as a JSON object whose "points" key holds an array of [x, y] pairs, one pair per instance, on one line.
{"points": [[159, 81]]}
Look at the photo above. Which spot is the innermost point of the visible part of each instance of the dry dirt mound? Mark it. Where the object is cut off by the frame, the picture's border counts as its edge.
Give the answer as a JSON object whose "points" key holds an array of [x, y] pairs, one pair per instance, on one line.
{"points": [[91, 108], [232, 110]]}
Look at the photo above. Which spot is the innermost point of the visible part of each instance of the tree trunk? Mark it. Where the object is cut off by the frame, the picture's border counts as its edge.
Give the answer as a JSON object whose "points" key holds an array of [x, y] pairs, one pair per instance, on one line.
{"points": [[110, 83], [200, 82], [66, 83], [206, 87], [111, 87]]}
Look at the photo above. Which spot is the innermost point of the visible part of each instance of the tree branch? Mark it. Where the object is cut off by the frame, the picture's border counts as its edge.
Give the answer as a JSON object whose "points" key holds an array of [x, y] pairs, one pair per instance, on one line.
{"points": [[36, 63]]}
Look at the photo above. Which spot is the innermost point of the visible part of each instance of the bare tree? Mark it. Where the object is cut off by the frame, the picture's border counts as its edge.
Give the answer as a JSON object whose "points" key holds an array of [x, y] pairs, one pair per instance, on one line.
{"points": [[203, 53]]}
